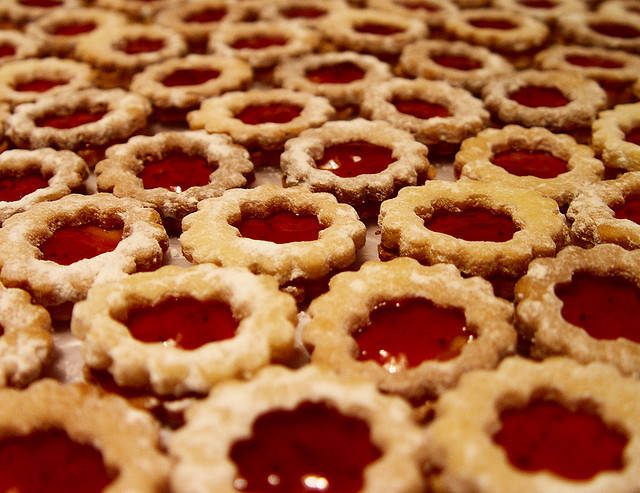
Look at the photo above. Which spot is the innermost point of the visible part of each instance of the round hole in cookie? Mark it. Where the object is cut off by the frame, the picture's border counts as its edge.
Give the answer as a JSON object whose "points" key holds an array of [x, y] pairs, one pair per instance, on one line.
{"points": [[473, 224], [429, 7], [500, 24], [15, 187], [538, 96], [313, 447], [71, 120], [377, 29], [207, 15], [404, 333], [605, 307], [530, 163], [458, 62], [420, 108], [593, 61], [255, 114], [189, 77], [142, 45], [176, 171], [355, 158], [629, 209], [45, 4], [633, 136], [338, 73], [280, 227], [73, 28], [48, 460], [301, 12], [259, 42], [74, 243], [615, 30], [39, 85], [546, 435], [7, 49], [538, 4], [186, 321]]}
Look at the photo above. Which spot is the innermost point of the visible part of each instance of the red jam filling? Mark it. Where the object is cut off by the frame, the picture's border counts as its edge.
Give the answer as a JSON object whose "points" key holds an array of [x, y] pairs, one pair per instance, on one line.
{"points": [[355, 158], [530, 163], [259, 42], [74, 243], [189, 77], [311, 448], [41, 3], [190, 323], [379, 29], [501, 24], [268, 113], [410, 331], [538, 4], [420, 6], [592, 61], [15, 187], [545, 435], [606, 307], [70, 121], [633, 136], [177, 172], [629, 209], [39, 85], [207, 15], [473, 224], [420, 108], [7, 49], [615, 30], [535, 97], [281, 227], [339, 73], [304, 13], [50, 461], [142, 45], [74, 29], [458, 62]]}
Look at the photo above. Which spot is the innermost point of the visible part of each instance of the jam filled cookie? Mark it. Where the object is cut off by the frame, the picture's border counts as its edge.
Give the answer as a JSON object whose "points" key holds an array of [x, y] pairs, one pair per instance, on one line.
{"points": [[119, 52], [547, 11], [26, 345], [530, 158], [614, 70], [306, 12], [629, 8], [484, 229], [557, 100], [58, 250], [21, 12], [437, 114], [62, 29], [616, 137], [70, 438], [85, 121], [24, 81], [142, 10], [603, 29], [180, 330], [297, 236], [249, 437], [342, 78], [178, 85], [361, 162], [456, 62], [581, 304], [29, 177], [173, 171], [539, 427], [262, 119], [394, 324], [15, 45], [432, 12], [608, 212]]}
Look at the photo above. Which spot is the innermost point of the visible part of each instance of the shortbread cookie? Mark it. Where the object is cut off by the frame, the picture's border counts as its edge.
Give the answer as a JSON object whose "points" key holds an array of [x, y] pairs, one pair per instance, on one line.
{"points": [[616, 137], [603, 29], [14, 45], [547, 11]]}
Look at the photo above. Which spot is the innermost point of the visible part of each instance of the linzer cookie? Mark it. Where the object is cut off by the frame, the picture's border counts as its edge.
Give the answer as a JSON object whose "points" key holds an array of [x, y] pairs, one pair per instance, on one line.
{"points": [[431, 12], [306, 12], [616, 137], [179, 330], [394, 324], [14, 45], [547, 11], [248, 436], [142, 10], [21, 12], [604, 29], [581, 304]]}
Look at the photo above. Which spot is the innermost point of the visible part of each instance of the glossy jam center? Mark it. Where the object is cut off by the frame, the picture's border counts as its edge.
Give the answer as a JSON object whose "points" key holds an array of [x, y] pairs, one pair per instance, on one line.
{"points": [[189, 77], [501, 24], [592, 61], [268, 113], [15, 187], [259, 42], [7, 49], [545, 435], [41, 3], [473, 224], [281, 227], [535, 97], [38, 85], [50, 461], [188, 322], [355, 158], [530, 163], [177, 172], [304, 13], [419, 6], [633, 136], [142, 45], [74, 29], [379, 29], [207, 15], [458, 62], [74, 243], [70, 121], [420, 108], [407, 332], [629, 209], [339, 73], [538, 4], [606, 307], [311, 448], [615, 30]]}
